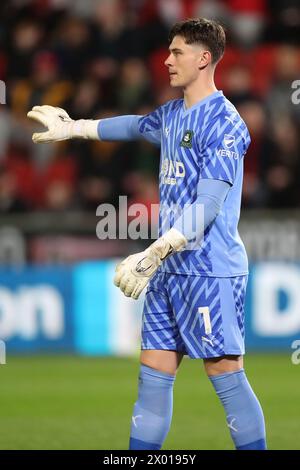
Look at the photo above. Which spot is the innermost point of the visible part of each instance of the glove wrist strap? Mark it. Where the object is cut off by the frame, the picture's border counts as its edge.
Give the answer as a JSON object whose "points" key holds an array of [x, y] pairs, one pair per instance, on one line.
{"points": [[170, 242], [85, 129]]}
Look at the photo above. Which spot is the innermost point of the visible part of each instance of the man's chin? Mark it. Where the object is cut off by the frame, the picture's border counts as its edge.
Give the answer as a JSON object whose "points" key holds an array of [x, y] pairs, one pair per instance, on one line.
{"points": [[175, 84]]}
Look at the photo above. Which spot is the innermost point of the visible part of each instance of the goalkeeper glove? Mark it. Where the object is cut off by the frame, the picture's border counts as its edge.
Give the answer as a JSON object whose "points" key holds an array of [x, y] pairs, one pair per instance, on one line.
{"points": [[134, 273], [60, 125]]}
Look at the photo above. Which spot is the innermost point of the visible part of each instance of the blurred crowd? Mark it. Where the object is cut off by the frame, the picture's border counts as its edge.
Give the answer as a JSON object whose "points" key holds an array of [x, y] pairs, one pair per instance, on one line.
{"points": [[100, 58]]}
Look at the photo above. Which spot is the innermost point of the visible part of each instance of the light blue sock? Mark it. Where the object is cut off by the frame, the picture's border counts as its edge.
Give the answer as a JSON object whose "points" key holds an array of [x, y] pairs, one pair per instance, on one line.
{"points": [[244, 415], [152, 412]]}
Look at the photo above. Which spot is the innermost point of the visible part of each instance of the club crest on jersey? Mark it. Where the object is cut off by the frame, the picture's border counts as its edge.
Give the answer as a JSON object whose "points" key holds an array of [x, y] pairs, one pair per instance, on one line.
{"points": [[229, 140], [187, 139]]}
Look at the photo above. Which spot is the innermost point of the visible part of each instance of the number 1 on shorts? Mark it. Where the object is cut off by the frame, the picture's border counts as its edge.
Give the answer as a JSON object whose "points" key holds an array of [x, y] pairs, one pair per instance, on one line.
{"points": [[206, 318]]}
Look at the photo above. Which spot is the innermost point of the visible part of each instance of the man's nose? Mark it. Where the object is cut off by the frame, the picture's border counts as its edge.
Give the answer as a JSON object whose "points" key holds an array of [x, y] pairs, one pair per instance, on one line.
{"points": [[168, 61]]}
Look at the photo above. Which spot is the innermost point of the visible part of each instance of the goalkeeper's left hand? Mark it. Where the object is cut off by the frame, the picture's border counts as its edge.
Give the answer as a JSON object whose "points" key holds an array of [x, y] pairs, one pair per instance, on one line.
{"points": [[134, 273]]}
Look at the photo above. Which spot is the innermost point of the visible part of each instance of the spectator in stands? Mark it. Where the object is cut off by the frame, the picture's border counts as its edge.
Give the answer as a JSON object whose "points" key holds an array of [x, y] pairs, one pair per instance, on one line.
{"points": [[287, 67], [25, 40], [10, 201], [281, 164], [254, 189]]}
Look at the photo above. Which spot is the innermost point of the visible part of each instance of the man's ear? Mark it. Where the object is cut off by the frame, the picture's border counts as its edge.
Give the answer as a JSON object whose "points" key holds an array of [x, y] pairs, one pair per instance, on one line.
{"points": [[204, 60]]}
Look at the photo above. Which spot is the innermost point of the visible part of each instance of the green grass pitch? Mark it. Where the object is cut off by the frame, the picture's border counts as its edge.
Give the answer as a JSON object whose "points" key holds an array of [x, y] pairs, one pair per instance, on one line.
{"points": [[67, 402]]}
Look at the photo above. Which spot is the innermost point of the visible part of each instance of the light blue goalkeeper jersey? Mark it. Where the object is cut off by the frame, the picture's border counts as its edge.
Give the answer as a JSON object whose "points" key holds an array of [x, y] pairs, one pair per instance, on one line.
{"points": [[207, 141]]}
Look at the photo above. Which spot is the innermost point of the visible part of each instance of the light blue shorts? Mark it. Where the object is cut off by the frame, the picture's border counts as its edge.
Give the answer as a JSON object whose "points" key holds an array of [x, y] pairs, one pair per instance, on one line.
{"points": [[199, 316]]}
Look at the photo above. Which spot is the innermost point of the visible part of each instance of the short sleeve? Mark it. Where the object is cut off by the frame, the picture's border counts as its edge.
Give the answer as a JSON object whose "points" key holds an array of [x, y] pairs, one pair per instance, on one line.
{"points": [[150, 126], [223, 145]]}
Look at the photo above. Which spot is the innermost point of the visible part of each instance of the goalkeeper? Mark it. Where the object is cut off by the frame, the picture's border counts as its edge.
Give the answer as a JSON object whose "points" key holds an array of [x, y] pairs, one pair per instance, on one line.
{"points": [[194, 302]]}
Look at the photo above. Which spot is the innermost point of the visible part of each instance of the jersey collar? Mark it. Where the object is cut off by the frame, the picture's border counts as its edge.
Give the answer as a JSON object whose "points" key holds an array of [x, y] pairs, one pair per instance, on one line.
{"points": [[210, 97]]}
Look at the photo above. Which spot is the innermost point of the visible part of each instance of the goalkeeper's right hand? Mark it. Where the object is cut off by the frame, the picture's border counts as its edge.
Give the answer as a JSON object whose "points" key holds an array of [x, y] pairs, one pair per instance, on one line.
{"points": [[60, 126]]}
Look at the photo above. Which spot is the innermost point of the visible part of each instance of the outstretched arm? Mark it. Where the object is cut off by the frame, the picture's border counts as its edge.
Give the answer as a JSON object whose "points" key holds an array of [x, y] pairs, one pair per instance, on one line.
{"points": [[61, 127]]}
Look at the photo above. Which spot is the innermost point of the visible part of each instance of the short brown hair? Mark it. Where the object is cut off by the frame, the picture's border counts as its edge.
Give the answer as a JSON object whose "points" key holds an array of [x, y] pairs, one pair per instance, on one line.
{"points": [[202, 31]]}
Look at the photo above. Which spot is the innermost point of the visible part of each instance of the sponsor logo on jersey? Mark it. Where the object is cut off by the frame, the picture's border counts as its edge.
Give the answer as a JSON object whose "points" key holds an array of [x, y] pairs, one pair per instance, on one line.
{"points": [[228, 119], [227, 153], [171, 171]]}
